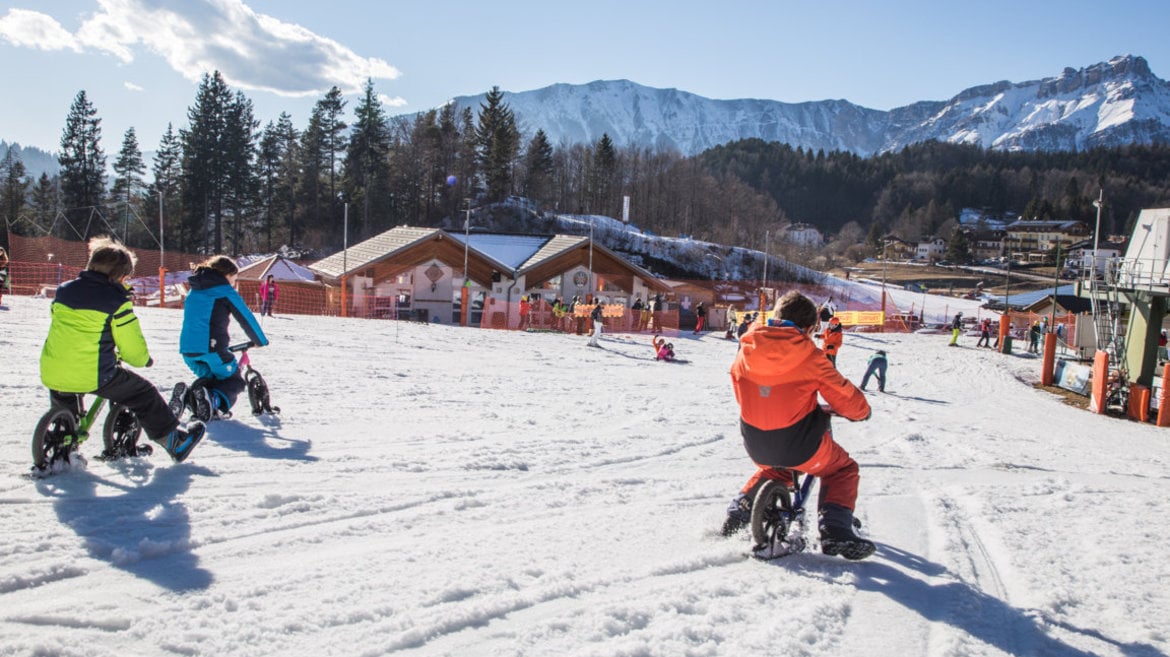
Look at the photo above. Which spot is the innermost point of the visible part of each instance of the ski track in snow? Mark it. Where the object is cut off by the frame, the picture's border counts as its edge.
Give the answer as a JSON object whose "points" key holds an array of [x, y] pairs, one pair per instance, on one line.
{"points": [[432, 490]]}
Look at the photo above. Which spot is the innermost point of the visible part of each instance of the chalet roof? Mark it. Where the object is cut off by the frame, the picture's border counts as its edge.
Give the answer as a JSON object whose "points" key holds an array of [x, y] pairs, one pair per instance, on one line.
{"points": [[514, 255], [556, 246], [510, 250], [282, 270], [378, 247], [1069, 302]]}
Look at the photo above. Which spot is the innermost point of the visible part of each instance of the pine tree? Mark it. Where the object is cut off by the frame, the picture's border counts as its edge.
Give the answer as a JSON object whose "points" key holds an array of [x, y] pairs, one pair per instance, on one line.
{"points": [[217, 179], [164, 190], [13, 189], [538, 168], [205, 165], [497, 142], [241, 185], [83, 164], [601, 177], [367, 168], [128, 183], [45, 202], [331, 143]]}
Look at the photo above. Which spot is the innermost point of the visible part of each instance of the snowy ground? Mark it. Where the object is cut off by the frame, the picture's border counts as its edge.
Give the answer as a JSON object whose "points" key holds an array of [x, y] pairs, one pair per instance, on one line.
{"points": [[431, 490]]}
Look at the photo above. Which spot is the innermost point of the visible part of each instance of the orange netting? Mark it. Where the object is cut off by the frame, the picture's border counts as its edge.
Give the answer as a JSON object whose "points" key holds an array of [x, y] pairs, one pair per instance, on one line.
{"points": [[39, 265]]}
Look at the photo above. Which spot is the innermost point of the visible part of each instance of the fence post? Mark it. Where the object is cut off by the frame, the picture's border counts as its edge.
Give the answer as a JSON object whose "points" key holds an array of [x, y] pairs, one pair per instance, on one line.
{"points": [[1048, 371]]}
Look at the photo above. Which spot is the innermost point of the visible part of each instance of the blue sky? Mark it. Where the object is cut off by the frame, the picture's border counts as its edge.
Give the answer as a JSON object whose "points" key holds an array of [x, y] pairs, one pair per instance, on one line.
{"points": [[140, 61]]}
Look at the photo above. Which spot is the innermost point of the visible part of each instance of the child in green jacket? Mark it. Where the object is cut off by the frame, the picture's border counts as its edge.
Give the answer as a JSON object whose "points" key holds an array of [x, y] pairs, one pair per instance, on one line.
{"points": [[93, 330]]}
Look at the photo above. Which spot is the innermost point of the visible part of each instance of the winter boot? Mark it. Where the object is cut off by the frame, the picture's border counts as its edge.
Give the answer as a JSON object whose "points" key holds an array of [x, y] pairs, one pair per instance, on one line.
{"points": [[739, 514], [180, 442], [836, 525], [220, 404], [178, 401], [200, 401]]}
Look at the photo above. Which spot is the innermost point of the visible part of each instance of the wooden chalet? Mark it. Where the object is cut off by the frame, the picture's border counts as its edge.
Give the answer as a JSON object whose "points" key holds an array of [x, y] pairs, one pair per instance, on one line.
{"points": [[419, 273]]}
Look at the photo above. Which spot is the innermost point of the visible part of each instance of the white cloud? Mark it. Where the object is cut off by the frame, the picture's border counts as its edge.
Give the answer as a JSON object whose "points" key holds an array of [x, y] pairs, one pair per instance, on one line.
{"points": [[396, 101], [32, 29], [252, 51], [131, 86]]}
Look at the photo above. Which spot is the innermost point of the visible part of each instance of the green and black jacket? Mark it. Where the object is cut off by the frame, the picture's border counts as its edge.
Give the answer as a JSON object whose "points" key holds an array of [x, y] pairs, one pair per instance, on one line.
{"points": [[93, 326]]}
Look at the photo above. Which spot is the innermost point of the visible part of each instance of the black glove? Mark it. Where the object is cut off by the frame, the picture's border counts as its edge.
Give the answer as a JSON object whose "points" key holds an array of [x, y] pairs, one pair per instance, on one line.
{"points": [[149, 361]]}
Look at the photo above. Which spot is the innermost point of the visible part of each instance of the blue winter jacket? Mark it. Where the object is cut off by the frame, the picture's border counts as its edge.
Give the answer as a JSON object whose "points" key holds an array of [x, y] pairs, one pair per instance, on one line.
{"points": [[206, 314]]}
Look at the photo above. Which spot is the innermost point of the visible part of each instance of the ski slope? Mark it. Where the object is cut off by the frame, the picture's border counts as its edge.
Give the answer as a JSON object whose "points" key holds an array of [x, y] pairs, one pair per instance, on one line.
{"points": [[431, 490]]}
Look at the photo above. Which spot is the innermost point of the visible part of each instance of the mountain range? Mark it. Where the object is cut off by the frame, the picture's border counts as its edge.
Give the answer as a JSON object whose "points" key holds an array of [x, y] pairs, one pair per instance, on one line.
{"points": [[1112, 103]]}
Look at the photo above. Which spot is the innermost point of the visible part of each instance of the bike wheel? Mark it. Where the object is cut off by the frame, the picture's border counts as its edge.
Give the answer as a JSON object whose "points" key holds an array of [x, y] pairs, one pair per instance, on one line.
{"points": [[258, 394], [770, 513], [120, 433], [54, 438]]}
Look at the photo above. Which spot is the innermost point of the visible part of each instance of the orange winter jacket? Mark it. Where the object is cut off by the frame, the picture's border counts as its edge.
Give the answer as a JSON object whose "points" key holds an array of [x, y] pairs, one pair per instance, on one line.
{"points": [[831, 339], [777, 376]]}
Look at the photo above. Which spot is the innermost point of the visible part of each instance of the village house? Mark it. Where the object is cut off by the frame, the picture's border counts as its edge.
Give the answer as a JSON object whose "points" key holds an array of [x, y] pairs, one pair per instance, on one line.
{"points": [[1035, 240], [479, 278], [931, 249], [805, 235]]}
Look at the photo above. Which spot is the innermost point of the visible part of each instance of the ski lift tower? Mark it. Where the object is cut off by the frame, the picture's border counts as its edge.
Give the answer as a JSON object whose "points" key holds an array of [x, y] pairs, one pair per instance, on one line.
{"points": [[1142, 280]]}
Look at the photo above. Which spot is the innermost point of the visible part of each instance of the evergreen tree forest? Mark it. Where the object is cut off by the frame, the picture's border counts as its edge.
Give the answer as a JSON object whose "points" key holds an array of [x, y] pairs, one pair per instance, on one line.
{"points": [[224, 183]]}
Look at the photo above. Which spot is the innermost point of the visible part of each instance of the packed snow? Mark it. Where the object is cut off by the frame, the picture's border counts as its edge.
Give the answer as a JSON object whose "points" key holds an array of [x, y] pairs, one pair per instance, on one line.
{"points": [[435, 490]]}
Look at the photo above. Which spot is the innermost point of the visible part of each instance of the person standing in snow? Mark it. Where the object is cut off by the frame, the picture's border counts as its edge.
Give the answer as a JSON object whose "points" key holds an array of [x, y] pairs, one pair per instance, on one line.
{"points": [[731, 320], [1034, 338], [595, 317], [701, 314], [525, 310], [204, 339], [984, 333], [956, 327], [777, 376], [831, 339], [3, 272], [268, 295]]}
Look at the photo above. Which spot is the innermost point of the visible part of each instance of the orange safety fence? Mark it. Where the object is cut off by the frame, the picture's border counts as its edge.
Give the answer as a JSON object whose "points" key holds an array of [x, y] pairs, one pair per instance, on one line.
{"points": [[39, 264]]}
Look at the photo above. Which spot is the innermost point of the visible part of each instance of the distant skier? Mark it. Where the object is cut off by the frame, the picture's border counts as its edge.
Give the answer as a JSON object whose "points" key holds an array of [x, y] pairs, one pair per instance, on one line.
{"points": [[984, 333], [595, 317], [956, 326]]}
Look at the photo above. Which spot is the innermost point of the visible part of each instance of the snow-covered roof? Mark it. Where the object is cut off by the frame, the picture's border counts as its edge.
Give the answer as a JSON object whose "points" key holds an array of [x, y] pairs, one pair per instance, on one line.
{"points": [[282, 269], [378, 247], [510, 250]]}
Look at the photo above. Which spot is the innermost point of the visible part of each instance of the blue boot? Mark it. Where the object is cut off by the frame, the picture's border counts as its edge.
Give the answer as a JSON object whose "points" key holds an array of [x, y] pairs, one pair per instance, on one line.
{"points": [[180, 442]]}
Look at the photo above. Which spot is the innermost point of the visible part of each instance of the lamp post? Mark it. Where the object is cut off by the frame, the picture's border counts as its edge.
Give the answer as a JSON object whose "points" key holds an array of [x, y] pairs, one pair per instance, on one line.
{"points": [[1097, 231], [466, 239], [345, 261], [162, 269], [885, 262], [464, 294], [591, 283], [766, 245]]}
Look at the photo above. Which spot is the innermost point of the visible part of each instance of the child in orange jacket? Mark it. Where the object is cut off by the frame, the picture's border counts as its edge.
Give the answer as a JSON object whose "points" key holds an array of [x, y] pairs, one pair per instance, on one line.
{"points": [[777, 375], [831, 339]]}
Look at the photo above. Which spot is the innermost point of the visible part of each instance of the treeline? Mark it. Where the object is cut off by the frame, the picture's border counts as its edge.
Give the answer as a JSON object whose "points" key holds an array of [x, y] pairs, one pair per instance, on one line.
{"points": [[223, 183], [918, 191]]}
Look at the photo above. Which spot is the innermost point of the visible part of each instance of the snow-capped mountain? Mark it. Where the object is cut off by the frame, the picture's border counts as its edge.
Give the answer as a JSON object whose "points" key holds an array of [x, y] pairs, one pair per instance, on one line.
{"points": [[1108, 104]]}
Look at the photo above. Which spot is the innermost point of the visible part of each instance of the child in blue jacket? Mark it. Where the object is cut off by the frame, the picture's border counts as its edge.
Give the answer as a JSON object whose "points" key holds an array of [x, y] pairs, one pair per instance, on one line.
{"points": [[204, 341]]}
